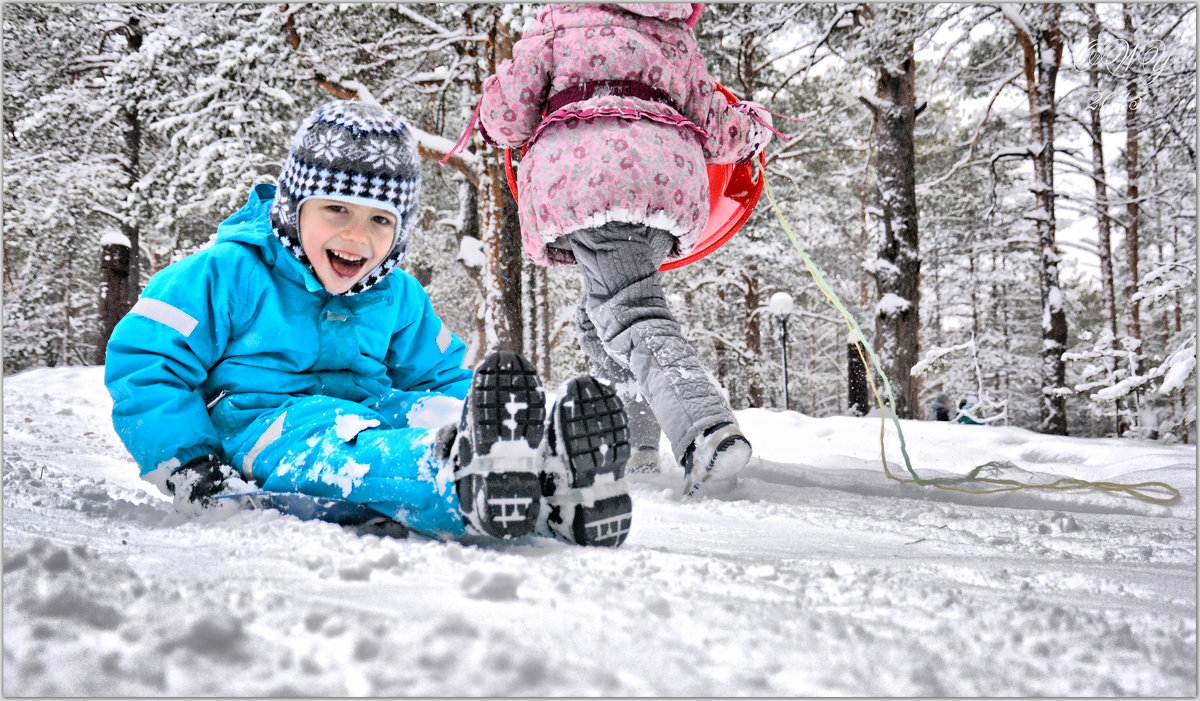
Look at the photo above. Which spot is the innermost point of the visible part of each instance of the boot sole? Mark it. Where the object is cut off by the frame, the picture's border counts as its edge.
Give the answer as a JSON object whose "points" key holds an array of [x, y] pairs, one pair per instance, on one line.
{"points": [[503, 419], [593, 440]]}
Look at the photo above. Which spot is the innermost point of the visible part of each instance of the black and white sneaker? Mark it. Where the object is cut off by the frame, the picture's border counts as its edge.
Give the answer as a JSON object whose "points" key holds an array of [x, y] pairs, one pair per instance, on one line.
{"points": [[712, 462], [583, 475], [496, 451]]}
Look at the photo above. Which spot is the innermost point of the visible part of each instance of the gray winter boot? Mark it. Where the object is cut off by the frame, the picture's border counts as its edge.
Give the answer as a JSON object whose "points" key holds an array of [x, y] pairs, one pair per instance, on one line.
{"points": [[712, 462]]}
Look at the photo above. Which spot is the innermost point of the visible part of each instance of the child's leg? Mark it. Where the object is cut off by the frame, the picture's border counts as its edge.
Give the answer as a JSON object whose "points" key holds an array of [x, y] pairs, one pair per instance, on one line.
{"points": [[644, 429], [327, 447], [624, 300]]}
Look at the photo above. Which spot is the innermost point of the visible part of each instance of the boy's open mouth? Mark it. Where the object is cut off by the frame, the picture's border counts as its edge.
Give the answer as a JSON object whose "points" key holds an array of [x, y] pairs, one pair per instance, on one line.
{"points": [[344, 264]]}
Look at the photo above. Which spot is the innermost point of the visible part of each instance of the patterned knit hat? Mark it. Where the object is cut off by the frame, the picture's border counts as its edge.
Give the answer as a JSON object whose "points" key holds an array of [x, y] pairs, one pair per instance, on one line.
{"points": [[356, 153]]}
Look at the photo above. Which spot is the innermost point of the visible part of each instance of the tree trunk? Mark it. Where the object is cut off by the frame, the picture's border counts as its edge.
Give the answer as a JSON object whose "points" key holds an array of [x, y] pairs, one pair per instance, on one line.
{"points": [[119, 269], [1042, 53], [753, 300], [510, 317], [500, 278], [133, 166], [749, 65], [897, 326], [1000, 311], [1103, 223], [1183, 391], [537, 319], [973, 281], [936, 283], [727, 365], [1133, 169], [1108, 294], [542, 276], [471, 229], [114, 290], [859, 403]]}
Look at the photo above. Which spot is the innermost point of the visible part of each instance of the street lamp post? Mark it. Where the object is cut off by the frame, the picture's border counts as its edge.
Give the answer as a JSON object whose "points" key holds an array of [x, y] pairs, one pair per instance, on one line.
{"points": [[781, 305]]}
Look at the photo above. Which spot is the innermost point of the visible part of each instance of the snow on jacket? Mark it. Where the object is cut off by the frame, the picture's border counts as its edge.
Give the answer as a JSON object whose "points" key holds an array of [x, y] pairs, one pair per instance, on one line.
{"points": [[241, 328], [614, 156]]}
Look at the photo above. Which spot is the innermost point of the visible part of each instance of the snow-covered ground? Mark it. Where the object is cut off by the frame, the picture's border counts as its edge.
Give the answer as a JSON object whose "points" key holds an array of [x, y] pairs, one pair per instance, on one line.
{"points": [[817, 576]]}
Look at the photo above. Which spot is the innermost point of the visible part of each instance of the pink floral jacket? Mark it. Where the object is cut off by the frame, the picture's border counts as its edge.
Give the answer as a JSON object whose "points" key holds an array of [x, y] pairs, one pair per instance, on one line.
{"points": [[631, 118]]}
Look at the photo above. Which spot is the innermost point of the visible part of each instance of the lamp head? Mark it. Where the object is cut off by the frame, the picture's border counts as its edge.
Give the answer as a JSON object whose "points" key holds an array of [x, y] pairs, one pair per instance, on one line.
{"points": [[780, 304]]}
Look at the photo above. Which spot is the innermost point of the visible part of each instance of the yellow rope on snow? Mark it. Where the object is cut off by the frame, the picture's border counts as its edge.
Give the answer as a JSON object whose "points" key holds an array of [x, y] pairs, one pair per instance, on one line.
{"points": [[996, 484]]}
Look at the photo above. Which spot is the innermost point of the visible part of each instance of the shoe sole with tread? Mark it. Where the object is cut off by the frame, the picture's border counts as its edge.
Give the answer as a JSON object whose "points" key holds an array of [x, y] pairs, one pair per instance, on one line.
{"points": [[503, 422], [589, 432]]}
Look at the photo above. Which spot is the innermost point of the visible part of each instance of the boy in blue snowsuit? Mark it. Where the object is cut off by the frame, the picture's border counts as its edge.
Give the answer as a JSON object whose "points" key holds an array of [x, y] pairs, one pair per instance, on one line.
{"points": [[294, 356]]}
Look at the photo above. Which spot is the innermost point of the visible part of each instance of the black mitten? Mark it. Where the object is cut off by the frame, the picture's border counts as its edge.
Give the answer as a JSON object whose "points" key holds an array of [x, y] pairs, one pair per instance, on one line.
{"points": [[200, 480], [443, 441]]}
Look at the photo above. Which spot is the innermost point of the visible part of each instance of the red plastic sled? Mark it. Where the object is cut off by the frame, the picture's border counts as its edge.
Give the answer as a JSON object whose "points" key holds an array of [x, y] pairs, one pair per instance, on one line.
{"points": [[733, 194]]}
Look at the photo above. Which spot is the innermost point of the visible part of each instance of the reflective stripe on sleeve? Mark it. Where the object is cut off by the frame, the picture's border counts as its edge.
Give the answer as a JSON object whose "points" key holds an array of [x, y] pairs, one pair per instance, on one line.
{"points": [[163, 313], [269, 436]]}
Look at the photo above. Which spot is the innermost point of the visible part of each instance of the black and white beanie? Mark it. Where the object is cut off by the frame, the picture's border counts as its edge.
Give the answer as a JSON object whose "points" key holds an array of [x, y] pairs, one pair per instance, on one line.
{"points": [[356, 153]]}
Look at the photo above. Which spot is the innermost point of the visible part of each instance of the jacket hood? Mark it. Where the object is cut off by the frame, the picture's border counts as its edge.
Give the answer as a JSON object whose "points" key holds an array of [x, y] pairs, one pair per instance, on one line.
{"points": [[687, 12], [251, 225], [246, 225]]}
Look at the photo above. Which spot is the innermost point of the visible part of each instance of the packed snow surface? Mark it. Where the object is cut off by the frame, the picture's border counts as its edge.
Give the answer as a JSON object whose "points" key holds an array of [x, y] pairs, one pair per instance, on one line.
{"points": [[818, 575]]}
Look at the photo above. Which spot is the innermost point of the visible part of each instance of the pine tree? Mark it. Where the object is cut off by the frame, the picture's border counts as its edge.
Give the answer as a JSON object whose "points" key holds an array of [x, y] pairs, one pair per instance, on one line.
{"points": [[1041, 41]]}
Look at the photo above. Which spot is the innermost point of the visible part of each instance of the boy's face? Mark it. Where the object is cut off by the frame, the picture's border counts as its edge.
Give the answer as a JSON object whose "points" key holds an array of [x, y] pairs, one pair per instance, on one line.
{"points": [[344, 241]]}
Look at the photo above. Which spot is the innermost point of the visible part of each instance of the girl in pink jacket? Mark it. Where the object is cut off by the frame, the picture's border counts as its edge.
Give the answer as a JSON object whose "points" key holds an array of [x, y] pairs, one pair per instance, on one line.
{"points": [[620, 116]]}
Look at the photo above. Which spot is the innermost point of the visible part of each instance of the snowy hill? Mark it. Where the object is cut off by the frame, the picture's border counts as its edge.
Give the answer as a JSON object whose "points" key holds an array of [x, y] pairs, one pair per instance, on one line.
{"points": [[818, 576]]}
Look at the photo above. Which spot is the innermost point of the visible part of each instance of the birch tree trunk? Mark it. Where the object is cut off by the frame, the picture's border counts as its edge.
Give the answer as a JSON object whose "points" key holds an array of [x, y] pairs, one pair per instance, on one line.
{"points": [[1042, 46]]}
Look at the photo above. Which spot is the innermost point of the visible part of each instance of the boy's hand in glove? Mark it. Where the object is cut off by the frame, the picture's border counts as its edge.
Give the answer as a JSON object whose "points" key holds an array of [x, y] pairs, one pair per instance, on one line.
{"points": [[197, 484]]}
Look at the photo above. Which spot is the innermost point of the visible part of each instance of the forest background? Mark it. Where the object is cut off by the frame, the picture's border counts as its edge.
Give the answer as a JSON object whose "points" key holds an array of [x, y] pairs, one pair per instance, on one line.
{"points": [[1004, 195]]}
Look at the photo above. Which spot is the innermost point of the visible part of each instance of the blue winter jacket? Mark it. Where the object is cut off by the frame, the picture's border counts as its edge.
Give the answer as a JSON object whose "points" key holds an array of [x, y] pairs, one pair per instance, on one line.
{"points": [[239, 329]]}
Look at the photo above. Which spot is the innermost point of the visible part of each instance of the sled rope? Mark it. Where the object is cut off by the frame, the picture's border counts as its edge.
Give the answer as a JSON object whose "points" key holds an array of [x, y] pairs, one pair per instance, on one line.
{"points": [[981, 474]]}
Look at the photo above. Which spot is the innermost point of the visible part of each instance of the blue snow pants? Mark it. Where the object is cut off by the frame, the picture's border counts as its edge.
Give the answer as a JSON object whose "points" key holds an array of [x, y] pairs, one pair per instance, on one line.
{"points": [[333, 448]]}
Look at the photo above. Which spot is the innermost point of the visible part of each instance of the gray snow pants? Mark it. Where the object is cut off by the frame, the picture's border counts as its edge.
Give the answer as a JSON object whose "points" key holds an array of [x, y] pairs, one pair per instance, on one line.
{"points": [[633, 341]]}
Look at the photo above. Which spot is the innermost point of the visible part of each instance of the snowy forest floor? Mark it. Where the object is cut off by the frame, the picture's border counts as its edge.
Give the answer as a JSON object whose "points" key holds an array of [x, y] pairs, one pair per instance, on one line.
{"points": [[817, 576]]}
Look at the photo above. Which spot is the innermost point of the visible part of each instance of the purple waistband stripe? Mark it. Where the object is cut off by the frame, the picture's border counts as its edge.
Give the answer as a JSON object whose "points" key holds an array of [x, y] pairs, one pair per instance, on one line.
{"points": [[604, 88]]}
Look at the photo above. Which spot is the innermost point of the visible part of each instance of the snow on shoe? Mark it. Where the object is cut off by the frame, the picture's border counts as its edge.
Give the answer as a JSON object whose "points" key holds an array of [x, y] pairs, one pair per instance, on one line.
{"points": [[496, 460], [584, 478], [712, 463], [643, 461]]}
